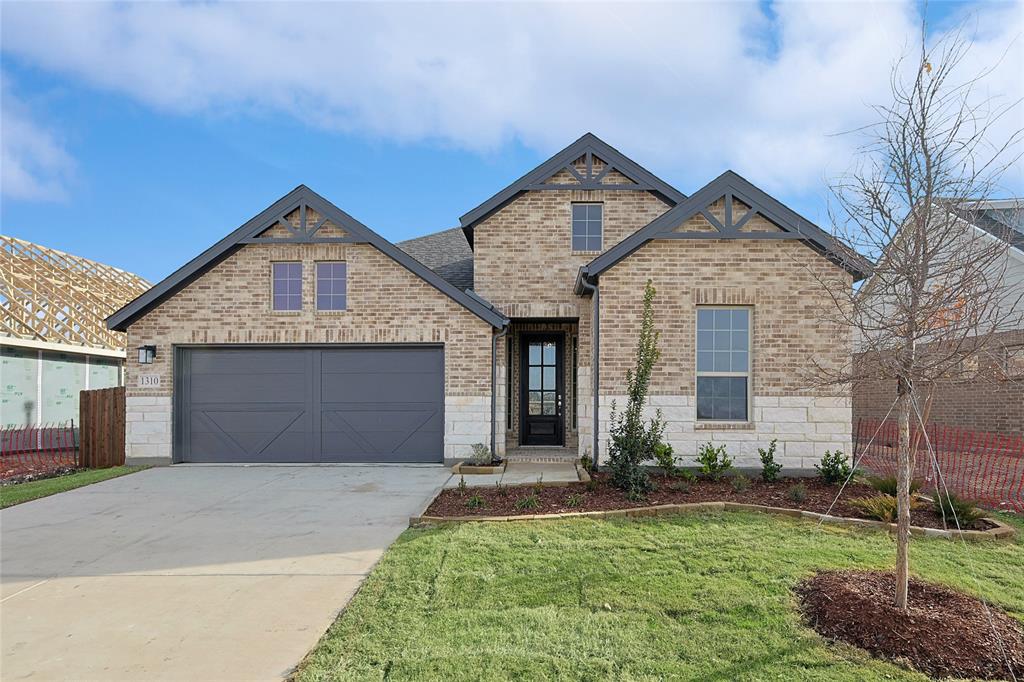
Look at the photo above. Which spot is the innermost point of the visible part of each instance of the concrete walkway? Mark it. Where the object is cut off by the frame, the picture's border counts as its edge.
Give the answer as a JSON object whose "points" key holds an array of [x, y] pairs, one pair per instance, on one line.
{"points": [[521, 473], [194, 573]]}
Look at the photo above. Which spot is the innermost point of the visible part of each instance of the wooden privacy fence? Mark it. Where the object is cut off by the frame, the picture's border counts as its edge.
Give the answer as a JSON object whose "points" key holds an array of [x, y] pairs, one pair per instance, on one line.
{"points": [[101, 428]]}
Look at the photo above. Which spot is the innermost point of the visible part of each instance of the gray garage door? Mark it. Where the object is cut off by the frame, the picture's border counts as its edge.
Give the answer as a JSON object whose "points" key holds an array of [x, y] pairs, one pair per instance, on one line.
{"points": [[358, 404]]}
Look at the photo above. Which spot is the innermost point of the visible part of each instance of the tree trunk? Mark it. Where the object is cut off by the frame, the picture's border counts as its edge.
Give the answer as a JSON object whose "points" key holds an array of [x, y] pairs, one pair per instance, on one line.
{"points": [[903, 496]]}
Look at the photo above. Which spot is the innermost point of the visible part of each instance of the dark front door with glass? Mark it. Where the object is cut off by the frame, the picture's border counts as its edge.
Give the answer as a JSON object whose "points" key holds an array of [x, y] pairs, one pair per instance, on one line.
{"points": [[542, 390]]}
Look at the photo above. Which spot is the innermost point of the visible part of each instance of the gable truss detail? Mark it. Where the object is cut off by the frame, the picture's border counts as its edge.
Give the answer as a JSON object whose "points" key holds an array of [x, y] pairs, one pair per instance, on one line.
{"points": [[306, 230], [591, 178], [732, 222]]}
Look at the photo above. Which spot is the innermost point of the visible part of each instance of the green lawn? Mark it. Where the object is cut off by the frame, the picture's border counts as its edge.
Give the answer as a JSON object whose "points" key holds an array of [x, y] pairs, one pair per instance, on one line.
{"points": [[32, 490], [700, 597]]}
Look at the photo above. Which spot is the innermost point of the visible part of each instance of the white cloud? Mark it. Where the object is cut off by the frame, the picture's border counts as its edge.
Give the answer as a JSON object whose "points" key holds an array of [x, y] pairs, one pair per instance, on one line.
{"points": [[691, 88], [33, 163]]}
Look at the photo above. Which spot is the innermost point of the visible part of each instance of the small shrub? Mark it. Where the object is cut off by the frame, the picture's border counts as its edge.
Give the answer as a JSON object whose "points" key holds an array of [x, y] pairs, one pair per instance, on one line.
{"points": [[739, 483], [575, 500], [636, 495], [797, 492], [834, 467], [887, 485], [713, 461], [681, 486], [587, 462], [538, 487], [882, 507], [592, 485], [769, 467], [481, 455], [687, 475], [502, 490], [666, 459], [949, 505], [528, 502], [462, 485], [476, 502]]}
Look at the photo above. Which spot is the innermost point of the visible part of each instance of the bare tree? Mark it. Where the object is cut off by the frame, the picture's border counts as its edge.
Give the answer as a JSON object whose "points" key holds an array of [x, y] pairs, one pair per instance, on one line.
{"points": [[937, 294]]}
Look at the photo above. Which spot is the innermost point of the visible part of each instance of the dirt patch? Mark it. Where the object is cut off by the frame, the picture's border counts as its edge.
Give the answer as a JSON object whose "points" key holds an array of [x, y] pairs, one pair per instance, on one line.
{"points": [[946, 634], [599, 495]]}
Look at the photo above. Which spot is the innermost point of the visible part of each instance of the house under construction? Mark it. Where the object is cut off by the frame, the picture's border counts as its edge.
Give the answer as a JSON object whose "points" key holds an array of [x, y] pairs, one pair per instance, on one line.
{"points": [[53, 338]]}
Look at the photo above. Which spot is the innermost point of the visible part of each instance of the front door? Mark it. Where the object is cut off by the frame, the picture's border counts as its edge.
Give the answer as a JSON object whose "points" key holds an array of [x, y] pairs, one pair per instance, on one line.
{"points": [[542, 390]]}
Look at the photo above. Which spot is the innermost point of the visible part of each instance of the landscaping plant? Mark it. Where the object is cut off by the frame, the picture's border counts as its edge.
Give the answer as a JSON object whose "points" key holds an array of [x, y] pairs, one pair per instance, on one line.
{"points": [[575, 500], [481, 455], [462, 485], [666, 459], [888, 485], [797, 492], [834, 468], [633, 440], [713, 461], [528, 502], [769, 467], [739, 483], [882, 507], [476, 502], [682, 486], [950, 506]]}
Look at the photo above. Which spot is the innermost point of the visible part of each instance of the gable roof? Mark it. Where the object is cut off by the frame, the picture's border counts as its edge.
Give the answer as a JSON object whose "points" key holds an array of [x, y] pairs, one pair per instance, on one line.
{"points": [[447, 253], [729, 185], [299, 198], [588, 144], [1003, 219]]}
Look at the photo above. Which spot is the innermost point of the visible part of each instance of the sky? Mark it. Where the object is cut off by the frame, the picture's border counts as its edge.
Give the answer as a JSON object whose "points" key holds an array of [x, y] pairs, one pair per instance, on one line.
{"points": [[140, 134]]}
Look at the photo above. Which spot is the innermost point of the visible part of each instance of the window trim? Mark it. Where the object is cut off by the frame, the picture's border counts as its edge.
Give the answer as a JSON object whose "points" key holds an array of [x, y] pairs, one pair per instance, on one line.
{"points": [[572, 245], [302, 287], [748, 375], [316, 288]]}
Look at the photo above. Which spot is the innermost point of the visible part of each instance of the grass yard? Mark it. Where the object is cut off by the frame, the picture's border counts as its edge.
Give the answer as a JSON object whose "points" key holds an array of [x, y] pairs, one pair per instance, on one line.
{"points": [[33, 490], [702, 597]]}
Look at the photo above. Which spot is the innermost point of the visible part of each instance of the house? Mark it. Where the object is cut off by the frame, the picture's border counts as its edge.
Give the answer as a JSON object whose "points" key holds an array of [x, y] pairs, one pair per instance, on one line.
{"points": [[54, 341], [987, 394], [306, 336]]}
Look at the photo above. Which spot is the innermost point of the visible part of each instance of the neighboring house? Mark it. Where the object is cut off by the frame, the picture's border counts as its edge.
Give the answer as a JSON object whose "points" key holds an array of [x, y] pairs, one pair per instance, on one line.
{"points": [[305, 336], [53, 338], [988, 395]]}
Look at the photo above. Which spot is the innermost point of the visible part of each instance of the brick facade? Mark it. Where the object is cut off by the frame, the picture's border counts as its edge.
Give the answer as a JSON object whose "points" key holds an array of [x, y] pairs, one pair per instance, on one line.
{"points": [[230, 304], [989, 398]]}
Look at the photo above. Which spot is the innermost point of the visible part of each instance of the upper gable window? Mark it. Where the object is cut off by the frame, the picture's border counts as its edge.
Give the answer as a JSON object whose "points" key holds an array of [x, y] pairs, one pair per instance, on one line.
{"points": [[287, 286], [587, 222], [331, 287]]}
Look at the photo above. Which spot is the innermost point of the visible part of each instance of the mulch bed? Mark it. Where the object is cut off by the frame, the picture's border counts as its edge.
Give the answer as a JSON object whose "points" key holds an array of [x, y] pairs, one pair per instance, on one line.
{"points": [[601, 496], [20, 469], [946, 634]]}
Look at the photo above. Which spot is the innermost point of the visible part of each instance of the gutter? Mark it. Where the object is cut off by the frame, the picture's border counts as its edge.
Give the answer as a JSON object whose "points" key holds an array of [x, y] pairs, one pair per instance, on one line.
{"points": [[584, 286], [494, 387]]}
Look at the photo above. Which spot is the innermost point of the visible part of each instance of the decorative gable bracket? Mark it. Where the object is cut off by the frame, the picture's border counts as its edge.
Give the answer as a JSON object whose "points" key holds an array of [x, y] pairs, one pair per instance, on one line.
{"points": [[730, 225], [592, 176], [302, 223]]}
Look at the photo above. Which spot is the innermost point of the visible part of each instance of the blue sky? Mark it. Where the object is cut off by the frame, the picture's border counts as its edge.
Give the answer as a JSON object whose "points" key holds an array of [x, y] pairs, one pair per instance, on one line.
{"points": [[148, 142]]}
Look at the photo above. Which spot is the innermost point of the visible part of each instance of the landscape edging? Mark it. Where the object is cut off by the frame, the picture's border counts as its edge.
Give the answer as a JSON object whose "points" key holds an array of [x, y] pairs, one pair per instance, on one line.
{"points": [[1001, 530]]}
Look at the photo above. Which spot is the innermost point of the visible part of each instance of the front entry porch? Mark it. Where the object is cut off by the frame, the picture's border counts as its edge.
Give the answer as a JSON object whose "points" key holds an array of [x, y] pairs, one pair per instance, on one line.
{"points": [[537, 454]]}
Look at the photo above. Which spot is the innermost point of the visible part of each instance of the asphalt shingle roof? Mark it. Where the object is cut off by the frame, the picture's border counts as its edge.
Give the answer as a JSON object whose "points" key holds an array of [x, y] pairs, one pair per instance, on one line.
{"points": [[447, 253]]}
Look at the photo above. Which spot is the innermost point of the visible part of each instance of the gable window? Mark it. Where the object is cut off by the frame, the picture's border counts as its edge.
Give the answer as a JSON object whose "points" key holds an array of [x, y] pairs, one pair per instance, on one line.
{"points": [[723, 364], [287, 291], [331, 286], [586, 226]]}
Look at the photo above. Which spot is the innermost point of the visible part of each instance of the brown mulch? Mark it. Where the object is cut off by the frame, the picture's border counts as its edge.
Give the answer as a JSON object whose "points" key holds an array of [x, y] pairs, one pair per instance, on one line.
{"points": [[21, 468], [946, 633], [601, 496]]}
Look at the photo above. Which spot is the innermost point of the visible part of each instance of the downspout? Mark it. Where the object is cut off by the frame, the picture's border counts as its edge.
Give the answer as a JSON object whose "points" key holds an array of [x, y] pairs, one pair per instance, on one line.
{"points": [[494, 388], [595, 361]]}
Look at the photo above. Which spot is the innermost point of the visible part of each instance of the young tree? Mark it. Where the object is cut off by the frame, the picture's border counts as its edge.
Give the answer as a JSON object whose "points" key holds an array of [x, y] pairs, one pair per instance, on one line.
{"points": [[937, 295]]}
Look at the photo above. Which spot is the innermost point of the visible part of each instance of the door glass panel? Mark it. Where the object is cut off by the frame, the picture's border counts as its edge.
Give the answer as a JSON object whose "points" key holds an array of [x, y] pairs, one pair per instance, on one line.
{"points": [[534, 353], [534, 384], [534, 402], [549, 403], [549, 353], [549, 378]]}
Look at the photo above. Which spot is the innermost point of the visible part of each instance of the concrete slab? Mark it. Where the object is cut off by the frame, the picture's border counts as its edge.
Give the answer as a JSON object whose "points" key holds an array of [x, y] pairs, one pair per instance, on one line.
{"points": [[520, 473], [212, 573]]}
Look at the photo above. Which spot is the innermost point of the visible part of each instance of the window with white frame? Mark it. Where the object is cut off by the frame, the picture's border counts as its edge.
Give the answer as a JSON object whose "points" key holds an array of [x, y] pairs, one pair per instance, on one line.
{"points": [[723, 364]]}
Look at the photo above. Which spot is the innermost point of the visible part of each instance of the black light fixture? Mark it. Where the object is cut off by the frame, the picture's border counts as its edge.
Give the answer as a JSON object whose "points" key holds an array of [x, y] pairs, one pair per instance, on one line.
{"points": [[146, 355]]}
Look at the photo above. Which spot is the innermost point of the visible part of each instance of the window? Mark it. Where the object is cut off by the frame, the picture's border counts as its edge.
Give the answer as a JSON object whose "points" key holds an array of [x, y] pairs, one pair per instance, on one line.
{"points": [[586, 227], [287, 286], [331, 286], [723, 364]]}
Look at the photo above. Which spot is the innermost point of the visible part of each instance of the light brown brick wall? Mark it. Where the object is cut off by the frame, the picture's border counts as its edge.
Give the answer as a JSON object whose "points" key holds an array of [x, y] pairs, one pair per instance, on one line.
{"points": [[523, 257], [990, 398], [775, 277], [386, 304]]}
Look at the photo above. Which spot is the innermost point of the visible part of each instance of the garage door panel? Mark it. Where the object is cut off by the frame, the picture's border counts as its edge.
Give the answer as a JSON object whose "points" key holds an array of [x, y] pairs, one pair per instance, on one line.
{"points": [[359, 404]]}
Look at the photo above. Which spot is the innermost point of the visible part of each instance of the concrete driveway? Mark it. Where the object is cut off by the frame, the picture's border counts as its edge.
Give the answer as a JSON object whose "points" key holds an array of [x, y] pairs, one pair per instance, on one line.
{"points": [[194, 573]]}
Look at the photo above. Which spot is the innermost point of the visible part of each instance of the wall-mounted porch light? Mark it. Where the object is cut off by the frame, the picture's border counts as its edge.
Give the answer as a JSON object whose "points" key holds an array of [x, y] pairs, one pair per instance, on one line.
{"points": [[146, 355]]}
